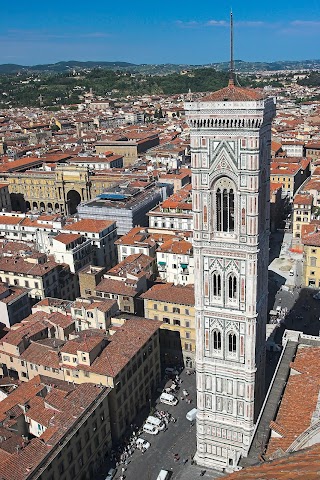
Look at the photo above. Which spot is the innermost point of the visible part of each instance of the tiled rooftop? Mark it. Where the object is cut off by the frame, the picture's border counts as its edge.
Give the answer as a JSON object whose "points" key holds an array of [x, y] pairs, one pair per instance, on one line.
{"points": [[169, 293]]}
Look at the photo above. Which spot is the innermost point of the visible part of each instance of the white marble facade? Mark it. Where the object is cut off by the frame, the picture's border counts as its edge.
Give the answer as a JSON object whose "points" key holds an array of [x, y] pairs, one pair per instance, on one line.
{"points": [[230, 145]]}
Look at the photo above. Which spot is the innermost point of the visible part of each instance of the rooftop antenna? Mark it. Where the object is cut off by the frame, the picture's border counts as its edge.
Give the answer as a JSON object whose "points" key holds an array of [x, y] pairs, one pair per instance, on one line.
{"points": [[231, 78]]}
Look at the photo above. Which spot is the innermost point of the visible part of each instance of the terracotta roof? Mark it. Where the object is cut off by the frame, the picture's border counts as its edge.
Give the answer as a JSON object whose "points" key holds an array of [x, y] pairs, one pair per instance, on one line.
{"points": [[295, 416], [41, 355], [19, 265], [232, 93], [302, 465], [89, 225], [311, 236], [83, 343], [303, 199], [136, 264], [170, 293], [124, 344], [67, 238], [108, 285], [176, 246], [274, 186]]}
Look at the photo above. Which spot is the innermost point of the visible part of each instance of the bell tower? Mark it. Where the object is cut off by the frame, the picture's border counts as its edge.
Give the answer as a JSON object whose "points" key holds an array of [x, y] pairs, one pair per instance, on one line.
{"points": [[230, 152]]}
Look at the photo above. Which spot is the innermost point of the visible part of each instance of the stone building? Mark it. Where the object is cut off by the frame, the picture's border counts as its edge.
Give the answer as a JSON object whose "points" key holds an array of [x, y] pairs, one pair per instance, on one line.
{"points": [[230, 155]]}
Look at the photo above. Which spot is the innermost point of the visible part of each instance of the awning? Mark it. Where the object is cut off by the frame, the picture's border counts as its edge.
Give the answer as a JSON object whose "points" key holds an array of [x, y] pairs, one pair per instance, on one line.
{"points": [[184, 265], [162, 263]]}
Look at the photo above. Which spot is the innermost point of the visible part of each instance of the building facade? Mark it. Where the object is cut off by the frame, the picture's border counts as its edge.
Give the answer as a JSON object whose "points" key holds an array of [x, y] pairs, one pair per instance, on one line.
{"points": [[230, 142]]}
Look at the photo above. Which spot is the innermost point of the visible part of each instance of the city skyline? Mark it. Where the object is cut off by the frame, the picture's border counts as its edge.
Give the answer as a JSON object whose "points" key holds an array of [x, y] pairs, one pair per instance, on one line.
{"points": [[169, 33]]}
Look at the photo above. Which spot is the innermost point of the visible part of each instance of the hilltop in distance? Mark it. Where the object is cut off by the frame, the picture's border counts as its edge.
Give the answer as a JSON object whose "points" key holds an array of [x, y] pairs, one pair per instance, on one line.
{"points": [[154, 69]]}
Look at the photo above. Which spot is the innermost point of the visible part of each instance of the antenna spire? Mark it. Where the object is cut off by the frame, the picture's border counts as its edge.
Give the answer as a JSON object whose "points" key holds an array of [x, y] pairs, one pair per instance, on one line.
{"points": [[231, 77]]}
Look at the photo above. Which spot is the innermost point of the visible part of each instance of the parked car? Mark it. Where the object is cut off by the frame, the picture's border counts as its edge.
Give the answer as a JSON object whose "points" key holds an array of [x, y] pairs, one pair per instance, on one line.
{"points": [[163, 475], [111, 474], [168, 399], [191, 415], [148, 428], [142, 444], [156, 422]]}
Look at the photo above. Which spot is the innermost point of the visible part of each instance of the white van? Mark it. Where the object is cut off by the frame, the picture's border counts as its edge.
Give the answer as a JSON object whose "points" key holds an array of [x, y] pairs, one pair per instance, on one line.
{"points": [[156, 422], [148, 428], [168, 399], [163, 475], [191, 415]]}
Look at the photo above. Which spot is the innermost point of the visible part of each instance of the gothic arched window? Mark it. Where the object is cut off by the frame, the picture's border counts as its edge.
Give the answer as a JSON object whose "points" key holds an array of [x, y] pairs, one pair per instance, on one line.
{"points": [[225, 206], [232, 287], [216, 340], [232, 343], [216, 284]]}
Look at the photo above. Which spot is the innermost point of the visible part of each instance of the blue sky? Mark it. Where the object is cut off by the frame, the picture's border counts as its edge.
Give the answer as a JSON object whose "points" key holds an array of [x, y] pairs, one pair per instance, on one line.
{"points": [[167, 31]]}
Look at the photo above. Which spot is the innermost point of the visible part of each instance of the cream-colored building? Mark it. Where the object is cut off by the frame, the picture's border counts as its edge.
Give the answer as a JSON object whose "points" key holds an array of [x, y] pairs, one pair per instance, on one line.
{"points": [[42, 277], [175, 261], [311, 255], [302, 212], [89, 313], [173, 305]]}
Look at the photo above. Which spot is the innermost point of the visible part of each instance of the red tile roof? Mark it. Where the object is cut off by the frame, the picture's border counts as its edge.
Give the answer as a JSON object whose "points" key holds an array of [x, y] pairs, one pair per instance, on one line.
{"points": [[303, 199], [67, 238], [89, 225], [170, 293], [294, 416], [232, 93], [302, 465]]}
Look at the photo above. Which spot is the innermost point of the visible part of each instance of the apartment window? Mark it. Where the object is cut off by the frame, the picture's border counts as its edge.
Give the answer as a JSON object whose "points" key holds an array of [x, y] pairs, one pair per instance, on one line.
{"points": [[313, 261], [187, 334], [86, 374], [313, 250], [188, 347], [187, 324], [186, 312], [176, 322], [312, 273], [16, 281], [26, 283], [165, 308], [176, 310], [166, 320], [155, 306], [156, 317], [36, 285]]}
